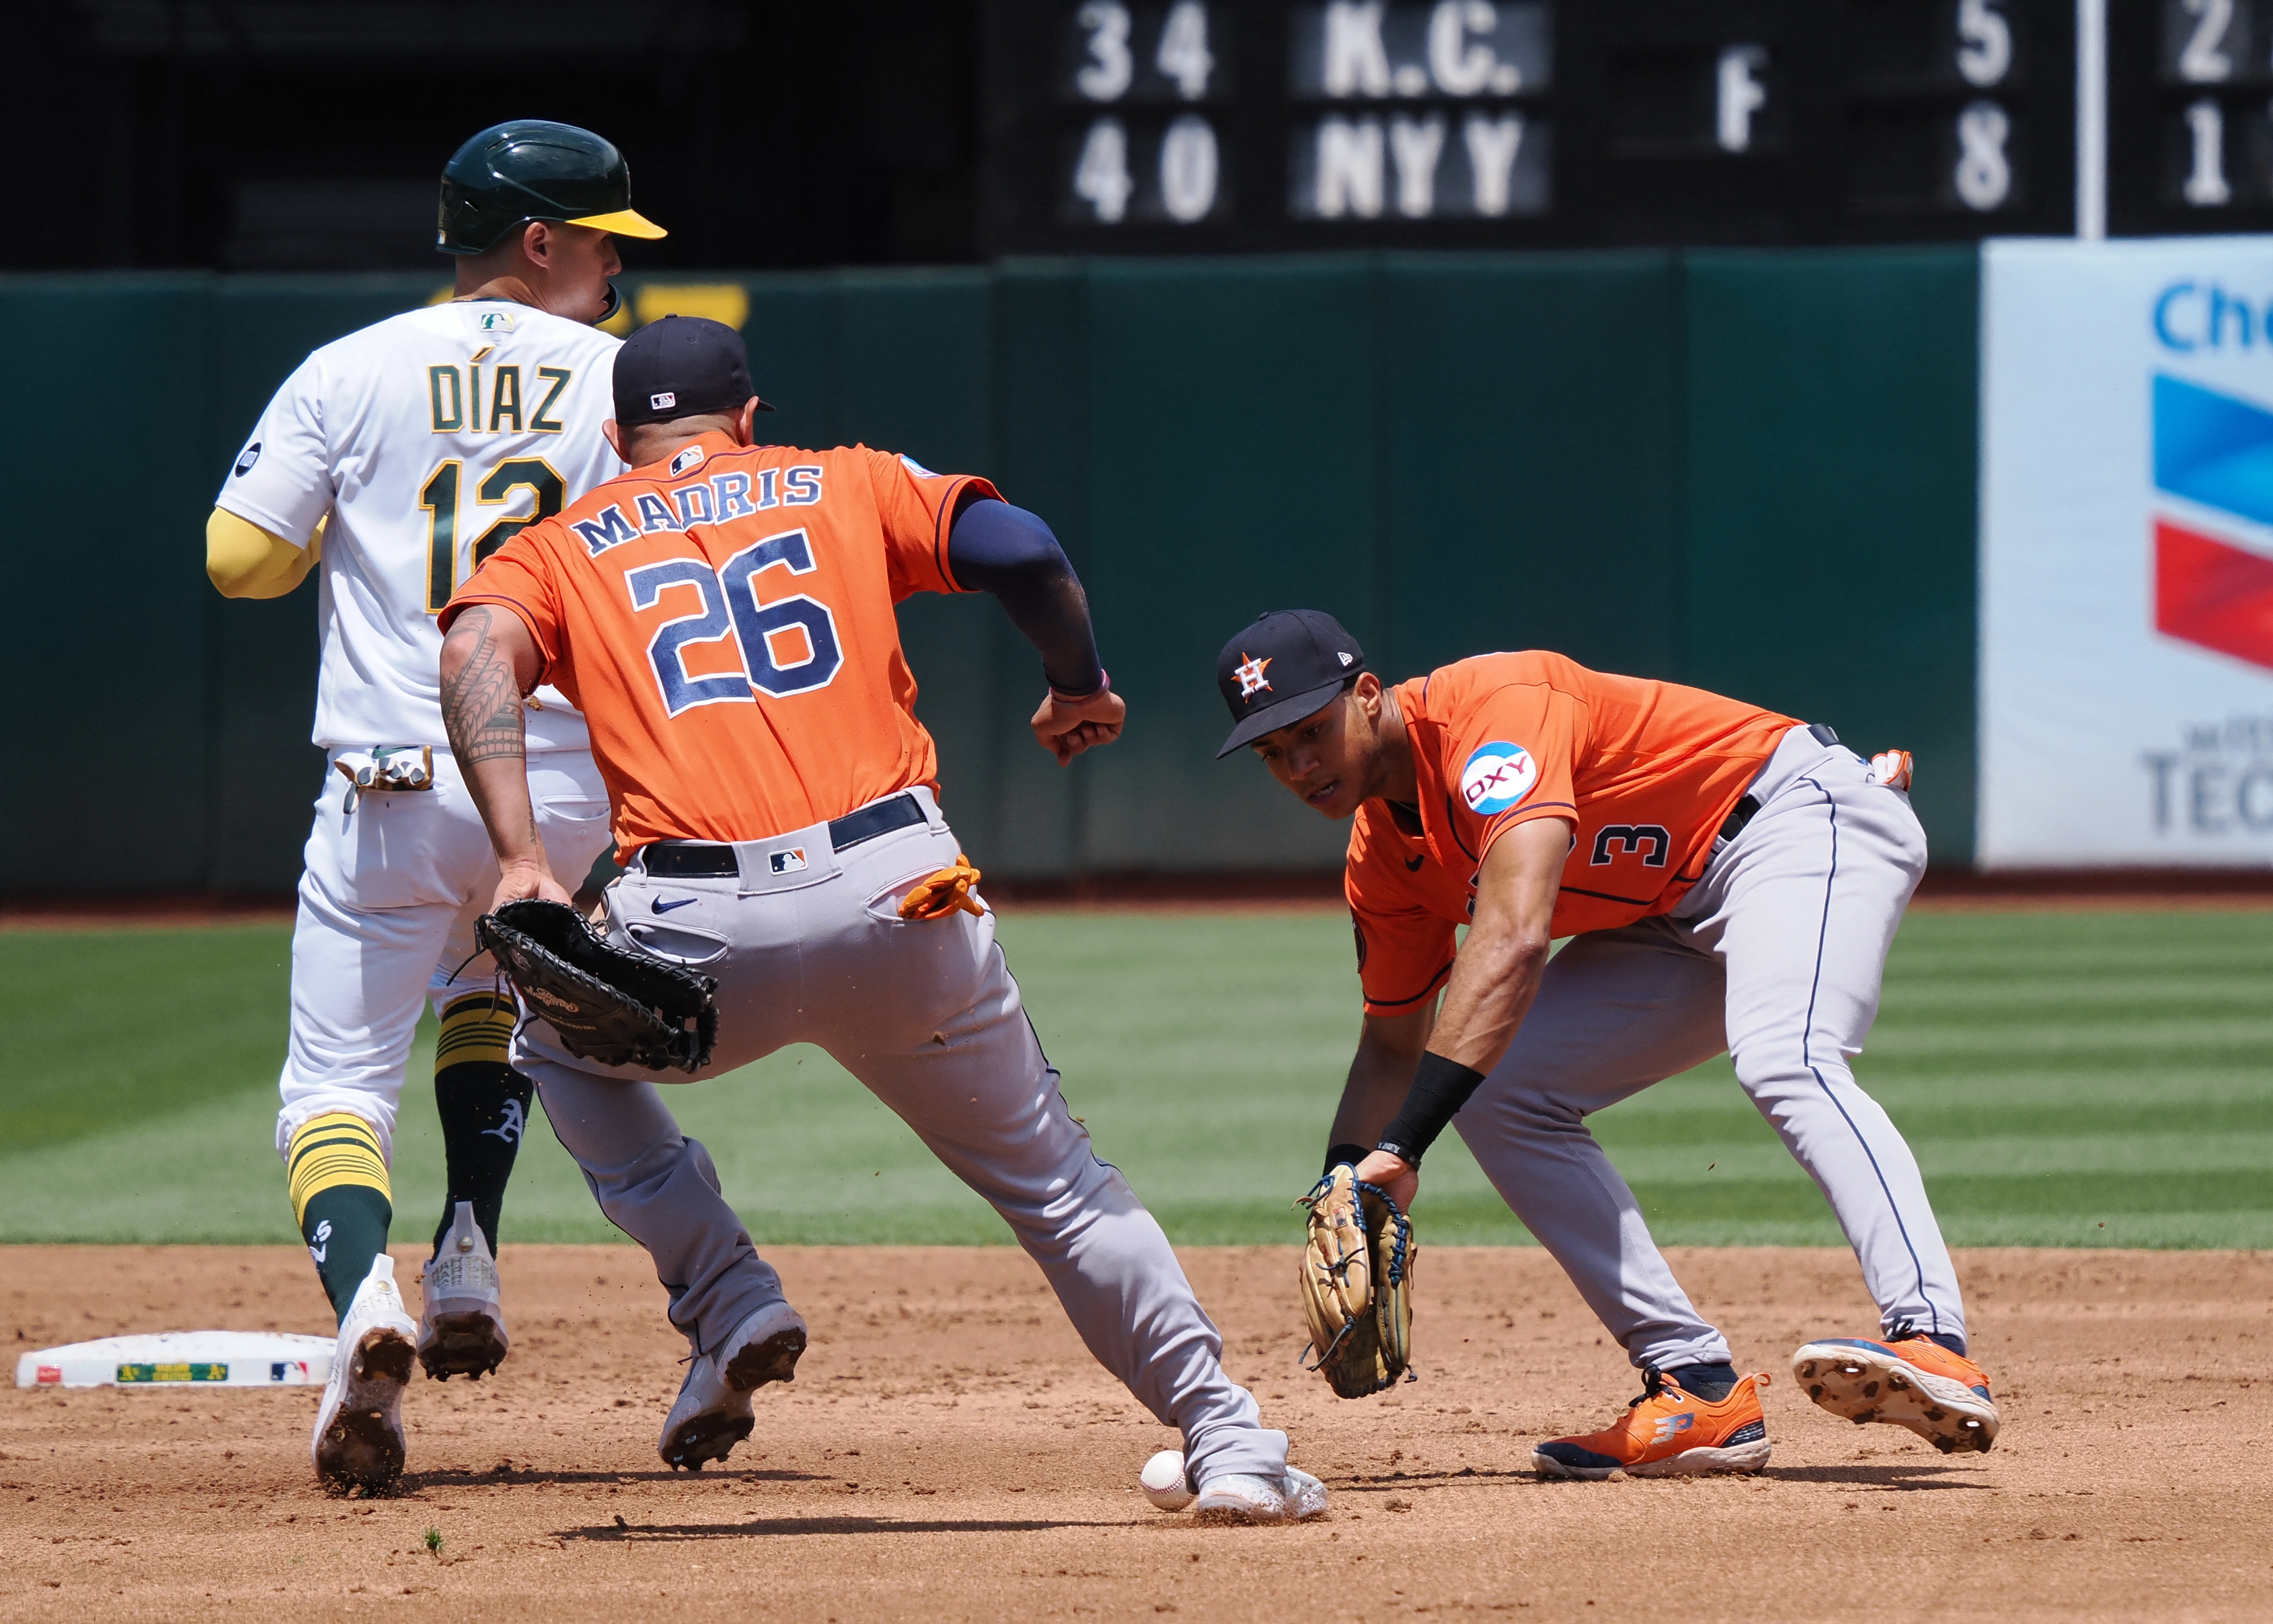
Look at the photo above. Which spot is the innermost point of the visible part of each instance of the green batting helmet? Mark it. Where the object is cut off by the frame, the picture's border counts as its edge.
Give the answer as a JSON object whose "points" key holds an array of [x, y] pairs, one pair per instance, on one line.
{"points": [[532, 168]]}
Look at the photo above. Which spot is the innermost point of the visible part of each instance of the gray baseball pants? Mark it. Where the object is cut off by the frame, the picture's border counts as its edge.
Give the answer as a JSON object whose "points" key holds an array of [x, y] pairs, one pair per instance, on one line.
{"points": [[1775, 956], [927, 1015]]}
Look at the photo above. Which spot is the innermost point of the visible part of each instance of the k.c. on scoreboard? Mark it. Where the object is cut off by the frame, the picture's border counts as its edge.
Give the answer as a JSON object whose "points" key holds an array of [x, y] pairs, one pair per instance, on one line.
{"points": [[1159, 125]]}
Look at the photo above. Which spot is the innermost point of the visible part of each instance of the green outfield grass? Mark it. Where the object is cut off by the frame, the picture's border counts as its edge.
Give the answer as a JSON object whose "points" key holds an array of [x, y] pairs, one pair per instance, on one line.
{"points": [[2066, 1078]]}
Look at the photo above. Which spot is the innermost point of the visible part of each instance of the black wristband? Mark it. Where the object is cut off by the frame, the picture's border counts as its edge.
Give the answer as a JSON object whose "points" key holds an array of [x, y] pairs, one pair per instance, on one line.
{"points": [[1440, 1087], [1337, 1154]]}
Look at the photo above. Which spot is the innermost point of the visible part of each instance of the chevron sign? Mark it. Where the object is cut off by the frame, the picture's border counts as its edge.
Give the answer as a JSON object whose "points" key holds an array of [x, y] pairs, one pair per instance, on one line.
{"points": [[2215, 450], [2126, 553]]}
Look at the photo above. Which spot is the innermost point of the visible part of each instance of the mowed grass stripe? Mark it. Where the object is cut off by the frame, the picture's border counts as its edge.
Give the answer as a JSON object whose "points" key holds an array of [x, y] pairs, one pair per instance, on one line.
{"points": [[108, 1027], [2054, 1072]]}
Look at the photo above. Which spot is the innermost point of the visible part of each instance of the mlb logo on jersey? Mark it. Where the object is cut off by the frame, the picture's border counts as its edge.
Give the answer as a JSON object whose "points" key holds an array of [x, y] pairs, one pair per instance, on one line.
{"points": [[494, 321], [1498, 776], [692, 457]]}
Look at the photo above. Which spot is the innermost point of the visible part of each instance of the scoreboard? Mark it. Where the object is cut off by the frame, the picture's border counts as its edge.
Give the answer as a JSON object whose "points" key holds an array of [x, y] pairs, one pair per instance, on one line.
{"points": [[2189, 84], [1207, 125]]}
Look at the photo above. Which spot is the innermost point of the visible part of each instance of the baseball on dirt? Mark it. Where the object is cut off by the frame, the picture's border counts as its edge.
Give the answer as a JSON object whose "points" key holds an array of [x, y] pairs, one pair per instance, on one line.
{"points": [[1163, 1481]]}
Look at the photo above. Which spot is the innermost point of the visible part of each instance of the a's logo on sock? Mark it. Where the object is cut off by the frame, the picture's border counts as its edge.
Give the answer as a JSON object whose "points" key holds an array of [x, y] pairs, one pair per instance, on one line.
{"points": [[509, 1130], [323, 1234]]}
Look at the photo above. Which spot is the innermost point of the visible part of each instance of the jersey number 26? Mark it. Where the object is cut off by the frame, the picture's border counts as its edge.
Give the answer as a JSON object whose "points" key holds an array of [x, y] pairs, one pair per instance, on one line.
{"points": [[769, 633]]}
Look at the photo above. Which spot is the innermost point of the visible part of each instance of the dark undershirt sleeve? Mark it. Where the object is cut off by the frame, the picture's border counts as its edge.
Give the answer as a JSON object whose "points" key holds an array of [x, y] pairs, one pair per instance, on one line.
{"points": [[1011, 555]]}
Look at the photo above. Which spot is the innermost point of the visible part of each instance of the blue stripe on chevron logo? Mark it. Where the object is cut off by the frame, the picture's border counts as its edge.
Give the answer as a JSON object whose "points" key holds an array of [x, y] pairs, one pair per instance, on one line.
{"points": [[2214, 449]]}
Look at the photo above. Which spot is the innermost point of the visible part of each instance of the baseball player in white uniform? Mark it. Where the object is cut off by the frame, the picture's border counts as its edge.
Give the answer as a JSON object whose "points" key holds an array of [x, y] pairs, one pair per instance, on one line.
{"points": [[398, 458], [1730, 879]]}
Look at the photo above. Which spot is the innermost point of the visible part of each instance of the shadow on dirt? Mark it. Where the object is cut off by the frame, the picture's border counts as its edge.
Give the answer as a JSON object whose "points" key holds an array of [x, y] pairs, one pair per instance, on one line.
{"points": [[1396, 1482], [497, 1476], [761, 1528], [1892, 1476], [1895, 1476]]}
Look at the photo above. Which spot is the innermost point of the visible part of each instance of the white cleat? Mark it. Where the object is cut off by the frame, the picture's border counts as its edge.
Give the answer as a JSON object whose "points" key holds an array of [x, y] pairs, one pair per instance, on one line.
{"points": [[461, 1320], [358, 1440], [713, 1411], [1242, 1497]]}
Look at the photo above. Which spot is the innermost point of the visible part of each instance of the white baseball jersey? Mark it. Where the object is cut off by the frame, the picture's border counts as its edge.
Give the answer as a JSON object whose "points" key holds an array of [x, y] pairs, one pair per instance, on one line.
{"points": [[430, 438]]}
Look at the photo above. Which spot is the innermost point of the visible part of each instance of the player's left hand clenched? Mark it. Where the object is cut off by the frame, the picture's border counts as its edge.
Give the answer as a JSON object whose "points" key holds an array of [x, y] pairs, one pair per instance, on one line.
{"points": [[1066, 726], [1393, 1173], [527, 881]]}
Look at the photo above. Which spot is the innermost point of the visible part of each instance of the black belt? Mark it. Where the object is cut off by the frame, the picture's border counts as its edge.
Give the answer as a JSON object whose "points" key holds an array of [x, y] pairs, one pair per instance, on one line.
{"points": [[693, 860], [1749, 807]]}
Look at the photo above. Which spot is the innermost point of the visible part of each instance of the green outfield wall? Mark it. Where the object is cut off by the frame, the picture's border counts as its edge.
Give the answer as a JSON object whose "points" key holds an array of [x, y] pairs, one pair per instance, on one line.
{"points": [[1752, 470]]}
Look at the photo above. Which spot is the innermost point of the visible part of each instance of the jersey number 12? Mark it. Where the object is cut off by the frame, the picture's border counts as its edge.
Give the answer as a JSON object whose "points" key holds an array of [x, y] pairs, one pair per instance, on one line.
{"points": [[439, 496]]}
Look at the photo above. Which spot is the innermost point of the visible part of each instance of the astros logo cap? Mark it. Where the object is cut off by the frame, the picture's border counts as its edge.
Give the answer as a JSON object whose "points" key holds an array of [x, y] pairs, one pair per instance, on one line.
{"points": [[1284, 667], [681, 366]]}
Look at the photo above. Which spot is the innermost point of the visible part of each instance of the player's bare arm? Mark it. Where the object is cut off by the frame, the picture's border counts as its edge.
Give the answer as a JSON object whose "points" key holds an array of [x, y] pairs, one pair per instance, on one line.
{"points": [[1388, 1047], [488, 665], [1494, 980]]}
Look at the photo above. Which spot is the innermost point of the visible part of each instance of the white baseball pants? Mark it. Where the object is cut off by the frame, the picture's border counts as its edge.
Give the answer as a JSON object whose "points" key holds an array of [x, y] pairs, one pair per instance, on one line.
{"points": [[1776, 956], [927, 1015], [388, 899]]}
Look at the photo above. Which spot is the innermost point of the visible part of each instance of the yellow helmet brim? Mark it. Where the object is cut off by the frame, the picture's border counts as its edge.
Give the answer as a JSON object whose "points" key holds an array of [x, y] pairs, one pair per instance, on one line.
{"points": [[623, 222]]}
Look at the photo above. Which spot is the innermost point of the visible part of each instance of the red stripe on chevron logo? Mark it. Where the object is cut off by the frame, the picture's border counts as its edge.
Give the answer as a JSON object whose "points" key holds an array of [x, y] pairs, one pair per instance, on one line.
{"points": [[2212, 593]]}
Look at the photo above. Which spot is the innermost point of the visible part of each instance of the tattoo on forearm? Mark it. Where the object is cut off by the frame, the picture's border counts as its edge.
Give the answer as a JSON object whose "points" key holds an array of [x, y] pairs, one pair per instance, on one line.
{"points": [[481, 700]]}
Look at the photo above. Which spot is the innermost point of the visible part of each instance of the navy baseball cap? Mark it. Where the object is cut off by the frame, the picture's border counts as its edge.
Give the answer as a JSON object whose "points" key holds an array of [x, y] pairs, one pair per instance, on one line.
{"points": [[1284, 667], [681, 366]]}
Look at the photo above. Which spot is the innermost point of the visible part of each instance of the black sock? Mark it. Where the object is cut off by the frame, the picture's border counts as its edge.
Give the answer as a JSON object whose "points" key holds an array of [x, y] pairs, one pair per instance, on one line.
{"points": [[1956, 1344], [1710, 1382], [484, 1107], [345, 1228]]}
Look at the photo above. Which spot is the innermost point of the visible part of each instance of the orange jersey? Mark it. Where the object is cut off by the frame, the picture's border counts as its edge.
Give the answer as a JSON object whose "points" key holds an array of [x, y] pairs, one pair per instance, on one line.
{"points": [[1645, 773], [725, 622]]}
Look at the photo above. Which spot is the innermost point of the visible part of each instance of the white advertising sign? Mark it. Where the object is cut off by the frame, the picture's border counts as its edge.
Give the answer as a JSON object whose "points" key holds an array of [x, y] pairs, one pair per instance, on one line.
{"points": [[2126, 553]]}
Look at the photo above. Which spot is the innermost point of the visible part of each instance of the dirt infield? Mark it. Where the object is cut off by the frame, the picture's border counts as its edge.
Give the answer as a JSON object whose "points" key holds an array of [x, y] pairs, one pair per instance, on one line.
{"points": [[949, 1452]]}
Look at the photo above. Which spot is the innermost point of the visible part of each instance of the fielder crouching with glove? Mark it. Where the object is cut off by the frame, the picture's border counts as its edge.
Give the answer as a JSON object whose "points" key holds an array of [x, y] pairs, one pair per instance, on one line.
{"points": [[723, 615], [1729, 880]]}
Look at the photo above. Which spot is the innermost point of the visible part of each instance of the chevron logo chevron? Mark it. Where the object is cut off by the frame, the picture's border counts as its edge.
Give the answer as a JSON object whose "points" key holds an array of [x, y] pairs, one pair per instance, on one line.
{"points": [[2215, 450]]}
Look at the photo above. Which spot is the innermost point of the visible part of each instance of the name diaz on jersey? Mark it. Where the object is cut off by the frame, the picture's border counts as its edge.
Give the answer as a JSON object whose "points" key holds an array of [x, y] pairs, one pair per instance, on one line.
{"points": [[430, 438]]}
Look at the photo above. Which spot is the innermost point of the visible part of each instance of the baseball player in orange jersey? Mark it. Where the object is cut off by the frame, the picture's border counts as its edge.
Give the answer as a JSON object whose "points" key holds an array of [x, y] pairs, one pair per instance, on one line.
{"points": [[723, 614], [1731, 879]]}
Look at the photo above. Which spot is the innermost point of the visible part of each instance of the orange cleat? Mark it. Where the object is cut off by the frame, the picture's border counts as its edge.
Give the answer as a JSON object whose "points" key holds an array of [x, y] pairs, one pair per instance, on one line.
{"points": [[1909, 1380], [1668, 1433]]}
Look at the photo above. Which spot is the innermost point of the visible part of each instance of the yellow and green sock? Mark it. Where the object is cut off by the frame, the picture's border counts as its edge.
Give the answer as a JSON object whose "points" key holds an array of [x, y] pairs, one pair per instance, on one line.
{"points": [[483, 1105], [341, 1199]]}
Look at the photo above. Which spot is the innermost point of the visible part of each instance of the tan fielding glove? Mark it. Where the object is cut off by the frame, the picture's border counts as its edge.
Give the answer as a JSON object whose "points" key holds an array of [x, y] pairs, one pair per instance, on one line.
{"points": [[1357, 1284], [944, 892]]}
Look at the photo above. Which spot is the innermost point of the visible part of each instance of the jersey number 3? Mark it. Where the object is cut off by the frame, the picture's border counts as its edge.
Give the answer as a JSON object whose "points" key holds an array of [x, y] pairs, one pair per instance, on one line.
{"points": [[789, 646], [439, 496]]}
